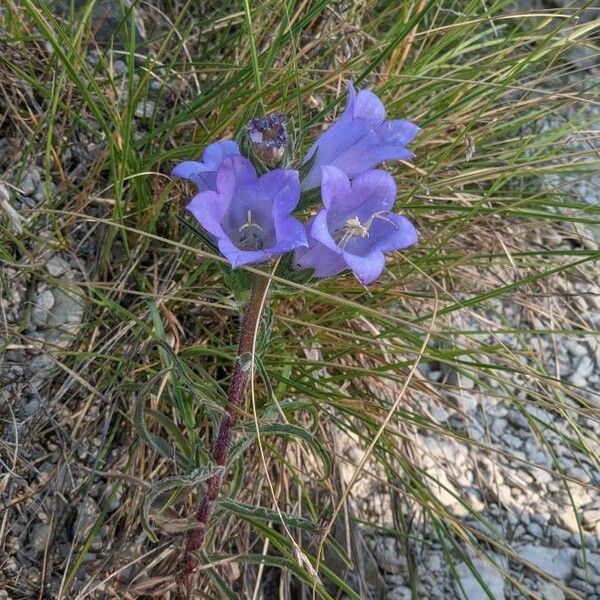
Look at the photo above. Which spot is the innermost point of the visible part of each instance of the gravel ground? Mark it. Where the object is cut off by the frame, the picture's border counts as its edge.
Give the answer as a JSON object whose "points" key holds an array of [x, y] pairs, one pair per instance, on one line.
{"points": [[497, 476]]}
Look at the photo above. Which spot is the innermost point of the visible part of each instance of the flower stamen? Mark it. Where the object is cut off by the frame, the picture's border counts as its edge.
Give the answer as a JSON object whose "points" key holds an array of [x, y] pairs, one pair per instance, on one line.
{"points": [[354, 228], [251, 238]]}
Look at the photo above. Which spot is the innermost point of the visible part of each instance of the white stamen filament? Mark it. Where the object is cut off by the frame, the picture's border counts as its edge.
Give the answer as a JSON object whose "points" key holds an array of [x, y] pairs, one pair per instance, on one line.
{"points": [[249, 224], [256, 242], [354, 228]]}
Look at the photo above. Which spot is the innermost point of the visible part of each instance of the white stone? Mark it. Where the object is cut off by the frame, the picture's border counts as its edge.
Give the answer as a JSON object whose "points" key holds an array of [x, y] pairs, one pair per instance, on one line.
{"points": [[499, 426], [488, 573], [591, 558], [557, 562], [549, 591], [512, 440], [575, 347], [145, 109], [535, 530], [585, 366], [586, 575], [56, 266], [41, 309], [399, 593], [389, 556], [566, 518], [119, 67], [68, 307]]}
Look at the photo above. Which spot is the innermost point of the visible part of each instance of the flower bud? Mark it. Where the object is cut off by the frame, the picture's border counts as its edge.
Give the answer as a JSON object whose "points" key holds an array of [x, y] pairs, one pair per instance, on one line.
{"points": [[268, 138]]}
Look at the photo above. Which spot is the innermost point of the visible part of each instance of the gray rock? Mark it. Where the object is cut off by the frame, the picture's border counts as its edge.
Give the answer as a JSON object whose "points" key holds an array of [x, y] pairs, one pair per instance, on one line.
{"points": [[540, 414], [575, 540], [578, 379], [512, 440], [540, 476], [586, 575], [535, 530], [30, 181], [119, 67], [540, 456], [560, 533], [439, 413], [434, 563], [591, 558], [395, 581], [399, 593], [107, 19], [156, 85], [39, 536], [549, 591], [557, 562], [499, 427], [87, 514], [389, 557], [472, 588], [467, 401], [58, 338], [145, 109], [40, 193], [582, 586], [575, 347], [474, 498], [567, 519], [67, 309], [44, 302], [585, 366], [518, 419], [56, 266], [31, 407], [434, 375], [580, 474], [33, 575]]}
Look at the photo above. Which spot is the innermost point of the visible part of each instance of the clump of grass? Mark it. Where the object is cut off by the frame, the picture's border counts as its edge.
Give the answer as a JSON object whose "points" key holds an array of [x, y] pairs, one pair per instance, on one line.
{"points": [[341, 366]]}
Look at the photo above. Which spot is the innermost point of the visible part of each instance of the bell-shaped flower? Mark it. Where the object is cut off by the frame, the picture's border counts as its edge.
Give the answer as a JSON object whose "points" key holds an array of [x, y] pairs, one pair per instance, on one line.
{"points": [[203, 173], [359, 140], [250, 216], [355, 227]]}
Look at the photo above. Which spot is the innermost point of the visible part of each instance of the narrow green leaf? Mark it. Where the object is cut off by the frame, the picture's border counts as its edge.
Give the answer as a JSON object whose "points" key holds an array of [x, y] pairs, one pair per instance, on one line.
{"points": [[180, 486], [288, 430], [247, 511]]}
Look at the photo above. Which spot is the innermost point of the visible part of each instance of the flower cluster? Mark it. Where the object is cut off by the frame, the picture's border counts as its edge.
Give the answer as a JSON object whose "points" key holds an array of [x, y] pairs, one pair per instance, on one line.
{"points": [[249, 215]]}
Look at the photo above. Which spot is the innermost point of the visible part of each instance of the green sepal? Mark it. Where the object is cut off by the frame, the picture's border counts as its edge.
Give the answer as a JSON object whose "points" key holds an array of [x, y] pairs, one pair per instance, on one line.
{"points": [[238, 281], [286, 270]]}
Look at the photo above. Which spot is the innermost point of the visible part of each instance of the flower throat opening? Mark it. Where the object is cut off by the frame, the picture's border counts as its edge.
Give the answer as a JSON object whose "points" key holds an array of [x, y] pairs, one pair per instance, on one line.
{"points": [[251, 235]]}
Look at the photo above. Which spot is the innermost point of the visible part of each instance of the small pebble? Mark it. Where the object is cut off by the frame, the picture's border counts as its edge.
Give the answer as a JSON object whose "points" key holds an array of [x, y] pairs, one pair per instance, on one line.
{"points": [[119, 67], [549, 591], [56, 266], [41, 309], [145, 109]]}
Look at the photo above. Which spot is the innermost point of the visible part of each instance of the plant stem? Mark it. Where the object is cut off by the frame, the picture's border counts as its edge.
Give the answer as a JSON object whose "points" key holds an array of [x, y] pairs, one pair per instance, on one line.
{"points": [[220, 453]]}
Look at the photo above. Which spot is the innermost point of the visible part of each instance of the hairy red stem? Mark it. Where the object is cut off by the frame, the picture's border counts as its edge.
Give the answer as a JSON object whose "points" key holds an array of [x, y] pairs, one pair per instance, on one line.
{"points": [[220, 453]]}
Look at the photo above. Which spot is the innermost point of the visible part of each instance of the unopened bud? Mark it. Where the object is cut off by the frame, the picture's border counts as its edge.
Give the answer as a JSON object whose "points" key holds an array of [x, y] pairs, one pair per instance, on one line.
{"points": [[268, 138]]}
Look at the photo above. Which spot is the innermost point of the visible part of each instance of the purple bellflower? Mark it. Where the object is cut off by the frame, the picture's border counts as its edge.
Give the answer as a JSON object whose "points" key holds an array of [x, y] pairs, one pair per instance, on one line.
{"points": [[250, 216], [203, 173], [356, 226], [360, 139]]}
